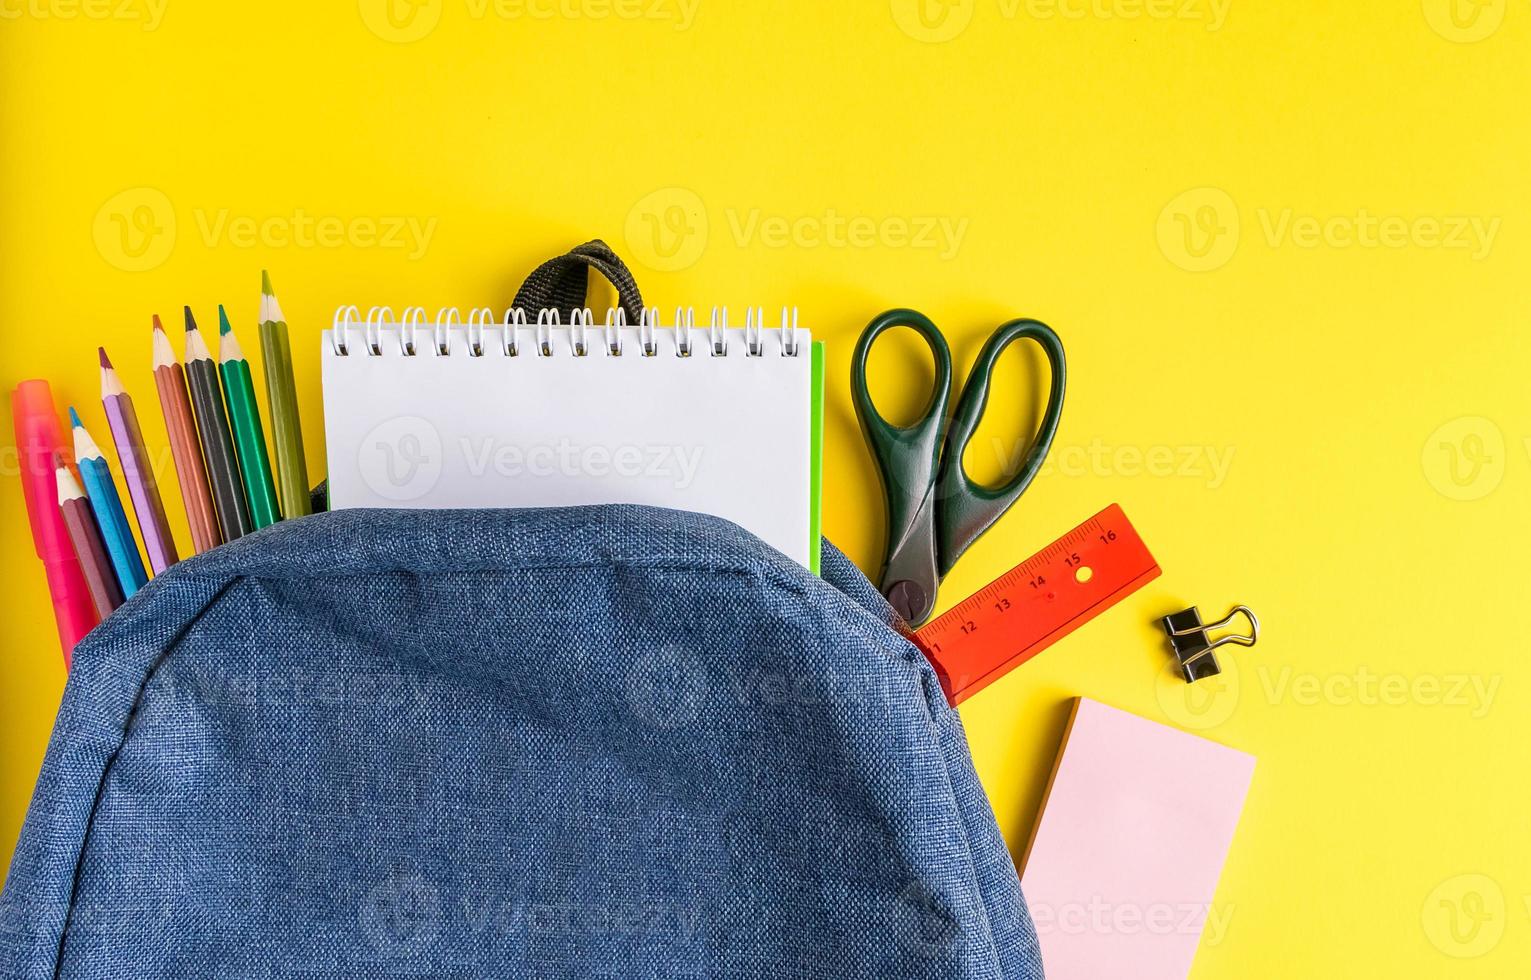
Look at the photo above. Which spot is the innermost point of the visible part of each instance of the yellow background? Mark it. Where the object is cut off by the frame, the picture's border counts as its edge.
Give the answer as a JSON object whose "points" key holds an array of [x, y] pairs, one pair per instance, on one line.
{"points": [[1182, 189]]}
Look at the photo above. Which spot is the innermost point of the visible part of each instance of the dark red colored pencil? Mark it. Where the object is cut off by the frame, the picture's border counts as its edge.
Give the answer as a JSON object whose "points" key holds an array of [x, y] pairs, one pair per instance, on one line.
{"points": [[89, 547]]}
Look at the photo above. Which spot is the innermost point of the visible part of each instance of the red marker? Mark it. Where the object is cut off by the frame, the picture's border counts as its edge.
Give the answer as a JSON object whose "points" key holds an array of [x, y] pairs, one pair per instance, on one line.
{"points": [[38, 437]]}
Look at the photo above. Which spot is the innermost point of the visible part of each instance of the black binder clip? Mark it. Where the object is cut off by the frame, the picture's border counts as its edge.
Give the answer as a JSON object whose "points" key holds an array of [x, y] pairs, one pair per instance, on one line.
{"points": [[1193, 644]]}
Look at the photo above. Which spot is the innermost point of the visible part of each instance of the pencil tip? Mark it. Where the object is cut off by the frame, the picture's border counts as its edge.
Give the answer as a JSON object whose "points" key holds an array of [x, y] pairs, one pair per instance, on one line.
{"points": [[74, 418], [265, 282], [191, 323], [157, 325], [106, 362], [223, 321]]}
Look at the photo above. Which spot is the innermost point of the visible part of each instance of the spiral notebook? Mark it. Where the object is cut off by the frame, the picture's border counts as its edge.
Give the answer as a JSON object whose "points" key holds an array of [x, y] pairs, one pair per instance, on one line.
{"points": [[509, 413]]}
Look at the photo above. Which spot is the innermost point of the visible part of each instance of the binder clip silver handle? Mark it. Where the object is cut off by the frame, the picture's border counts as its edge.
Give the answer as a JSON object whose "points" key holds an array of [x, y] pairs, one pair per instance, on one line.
{"points": [[1193, 644]]}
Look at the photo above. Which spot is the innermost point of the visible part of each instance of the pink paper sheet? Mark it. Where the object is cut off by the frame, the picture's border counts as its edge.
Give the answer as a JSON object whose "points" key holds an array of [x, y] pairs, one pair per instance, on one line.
{"points": [[1121, 871]]}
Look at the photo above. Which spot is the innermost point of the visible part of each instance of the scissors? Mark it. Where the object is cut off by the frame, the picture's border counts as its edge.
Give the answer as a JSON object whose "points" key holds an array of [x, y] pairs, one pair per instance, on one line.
{"points": [[934, 510]]}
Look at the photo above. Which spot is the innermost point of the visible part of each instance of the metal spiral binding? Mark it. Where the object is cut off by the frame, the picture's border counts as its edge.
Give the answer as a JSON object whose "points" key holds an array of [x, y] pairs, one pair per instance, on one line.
{"points": [[409, 330], [441, 330], [515, 321], [477, 321], [717, 333], [340, 331], [372, 334], [546, 319], [616, 319], [646, 331]]}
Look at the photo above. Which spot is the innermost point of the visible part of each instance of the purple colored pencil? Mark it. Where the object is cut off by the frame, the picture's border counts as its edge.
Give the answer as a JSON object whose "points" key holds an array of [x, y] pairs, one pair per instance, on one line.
{"points": [[136, 471]]}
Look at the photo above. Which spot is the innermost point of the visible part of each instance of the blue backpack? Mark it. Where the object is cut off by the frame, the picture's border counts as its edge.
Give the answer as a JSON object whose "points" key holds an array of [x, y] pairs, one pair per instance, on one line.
{"points": [[587, 742]]}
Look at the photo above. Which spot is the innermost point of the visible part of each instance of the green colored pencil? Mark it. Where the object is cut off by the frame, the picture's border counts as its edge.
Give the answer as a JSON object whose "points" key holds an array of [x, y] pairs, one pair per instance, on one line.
{"points": [[244, 417], [282, 404], [215, 436]]}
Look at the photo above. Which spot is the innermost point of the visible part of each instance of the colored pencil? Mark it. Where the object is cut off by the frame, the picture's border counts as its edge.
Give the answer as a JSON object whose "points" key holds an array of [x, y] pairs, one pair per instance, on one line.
{"points": [[190, 471], [137, 472], [107, 506], [244, 418], [85, 535], [282, 405], [217, 441]]}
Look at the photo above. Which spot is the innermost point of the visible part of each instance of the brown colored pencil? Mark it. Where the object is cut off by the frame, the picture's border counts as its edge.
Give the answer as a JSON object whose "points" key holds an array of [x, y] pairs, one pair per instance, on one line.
{"points": [[190, 471], [89, 547]]}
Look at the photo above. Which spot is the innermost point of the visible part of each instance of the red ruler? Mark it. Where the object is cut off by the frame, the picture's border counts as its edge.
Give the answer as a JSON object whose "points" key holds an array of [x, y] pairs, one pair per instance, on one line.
{"points": [[1036, 603]]}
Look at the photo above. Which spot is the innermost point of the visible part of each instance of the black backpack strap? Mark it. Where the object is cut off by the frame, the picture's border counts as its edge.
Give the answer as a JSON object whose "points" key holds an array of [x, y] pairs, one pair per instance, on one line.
{"points": [[561, 284]]}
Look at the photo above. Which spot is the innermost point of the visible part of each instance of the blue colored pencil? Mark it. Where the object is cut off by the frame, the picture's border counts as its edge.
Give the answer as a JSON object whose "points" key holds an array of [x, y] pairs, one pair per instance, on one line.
{"points": [[106, 504]]}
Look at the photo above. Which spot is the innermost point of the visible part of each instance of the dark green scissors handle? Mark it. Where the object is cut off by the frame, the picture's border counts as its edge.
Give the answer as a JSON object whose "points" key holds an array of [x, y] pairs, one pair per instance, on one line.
{"points": [[935, 511], [908, 458], [967, 508]]}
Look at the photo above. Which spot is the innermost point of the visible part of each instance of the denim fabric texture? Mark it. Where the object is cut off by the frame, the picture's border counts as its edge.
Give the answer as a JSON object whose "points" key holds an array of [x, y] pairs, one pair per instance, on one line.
{"points": [[586, 742]]}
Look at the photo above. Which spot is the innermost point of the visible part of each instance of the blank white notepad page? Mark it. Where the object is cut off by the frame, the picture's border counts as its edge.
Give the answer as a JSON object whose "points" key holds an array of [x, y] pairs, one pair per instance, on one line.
{"points": [[724, 435]]}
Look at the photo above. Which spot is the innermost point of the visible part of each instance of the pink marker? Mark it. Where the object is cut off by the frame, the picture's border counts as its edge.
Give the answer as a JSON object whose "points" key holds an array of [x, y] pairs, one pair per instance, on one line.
{"points": [[38, 437]]}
